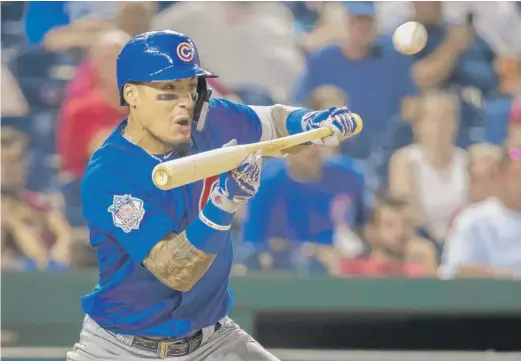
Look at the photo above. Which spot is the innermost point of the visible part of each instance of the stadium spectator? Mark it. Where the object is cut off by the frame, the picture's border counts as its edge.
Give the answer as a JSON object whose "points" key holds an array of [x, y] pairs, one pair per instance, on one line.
{"points": [[457, 59], [484, 161], [502, 111], [13, 101], [41, 18], [326, 26], [92, 108], [432, 172], [496, 22], [34, 232], [246, 43], [78, 24], [282, 256], [311, 197], [374, 77], [395, 247], [326, 96], [485, 241], [454, 55], [483, 170]]}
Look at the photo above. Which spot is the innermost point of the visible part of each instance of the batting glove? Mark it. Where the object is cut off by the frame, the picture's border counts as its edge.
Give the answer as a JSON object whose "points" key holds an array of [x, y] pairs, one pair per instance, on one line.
{"points": [[237, 186], [339, 119]]}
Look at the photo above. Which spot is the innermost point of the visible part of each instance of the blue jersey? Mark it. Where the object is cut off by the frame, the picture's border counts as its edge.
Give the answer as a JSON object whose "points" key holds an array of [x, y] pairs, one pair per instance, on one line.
{"points": [[127, 215], [305, 212], [373, 87]]}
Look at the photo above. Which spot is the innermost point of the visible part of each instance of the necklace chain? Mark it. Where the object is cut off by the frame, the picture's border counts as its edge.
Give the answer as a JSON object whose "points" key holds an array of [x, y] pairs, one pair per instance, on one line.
{"points": [[125, 135]]}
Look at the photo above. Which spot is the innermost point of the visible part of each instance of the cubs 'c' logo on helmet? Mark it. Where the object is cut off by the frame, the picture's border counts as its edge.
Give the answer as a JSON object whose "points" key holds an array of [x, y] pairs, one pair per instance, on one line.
{"points": [[185, 52]]}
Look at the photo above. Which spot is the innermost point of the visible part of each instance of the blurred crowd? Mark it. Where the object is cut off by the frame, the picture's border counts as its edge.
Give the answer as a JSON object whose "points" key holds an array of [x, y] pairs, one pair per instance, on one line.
{"points": [[431, 188]]}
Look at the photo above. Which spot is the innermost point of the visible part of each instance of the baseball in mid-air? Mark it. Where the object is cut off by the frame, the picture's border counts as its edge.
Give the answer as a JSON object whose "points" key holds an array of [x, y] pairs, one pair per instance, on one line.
{"points": [[410, 38]]}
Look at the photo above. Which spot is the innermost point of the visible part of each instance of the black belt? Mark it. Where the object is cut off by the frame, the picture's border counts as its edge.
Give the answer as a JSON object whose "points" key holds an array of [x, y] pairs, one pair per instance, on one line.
{"points": [[168, 347]]}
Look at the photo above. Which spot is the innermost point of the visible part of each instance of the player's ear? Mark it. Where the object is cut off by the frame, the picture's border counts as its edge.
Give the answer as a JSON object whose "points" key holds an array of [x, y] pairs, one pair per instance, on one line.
{"points": [[130, 94]]}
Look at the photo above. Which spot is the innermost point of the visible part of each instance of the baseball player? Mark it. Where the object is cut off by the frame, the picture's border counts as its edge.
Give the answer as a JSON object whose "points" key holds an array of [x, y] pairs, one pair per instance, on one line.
{"points": [[165, 256]]}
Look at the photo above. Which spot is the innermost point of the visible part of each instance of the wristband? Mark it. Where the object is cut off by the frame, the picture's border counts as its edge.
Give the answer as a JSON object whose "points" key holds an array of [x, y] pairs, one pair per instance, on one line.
{"points": [[294, 121], [211, 224]]}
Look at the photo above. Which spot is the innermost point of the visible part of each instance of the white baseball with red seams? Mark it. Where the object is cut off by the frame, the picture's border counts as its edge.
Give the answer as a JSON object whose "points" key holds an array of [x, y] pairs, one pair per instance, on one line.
{"points": [[410, 38]]}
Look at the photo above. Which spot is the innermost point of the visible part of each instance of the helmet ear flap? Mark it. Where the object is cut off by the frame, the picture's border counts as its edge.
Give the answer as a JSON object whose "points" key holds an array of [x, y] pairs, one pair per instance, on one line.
{"points": [[202, 103]]}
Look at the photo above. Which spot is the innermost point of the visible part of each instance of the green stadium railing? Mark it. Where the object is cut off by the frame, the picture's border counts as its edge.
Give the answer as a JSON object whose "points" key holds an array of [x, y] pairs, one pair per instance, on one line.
{"points": [[43, 309]]}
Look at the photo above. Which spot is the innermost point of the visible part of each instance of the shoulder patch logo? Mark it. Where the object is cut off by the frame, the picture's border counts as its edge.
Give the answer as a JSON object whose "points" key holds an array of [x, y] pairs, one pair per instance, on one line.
{"points": [[127, 212]]}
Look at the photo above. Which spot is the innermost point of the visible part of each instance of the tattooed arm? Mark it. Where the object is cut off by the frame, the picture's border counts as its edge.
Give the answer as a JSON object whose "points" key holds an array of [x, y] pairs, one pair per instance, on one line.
{"points": [[180, 260], [177, 263]]}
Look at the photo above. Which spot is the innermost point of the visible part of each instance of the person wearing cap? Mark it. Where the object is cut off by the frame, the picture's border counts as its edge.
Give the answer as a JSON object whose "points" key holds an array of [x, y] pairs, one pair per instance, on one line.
{"points": [[164, 256], [374, 77]]}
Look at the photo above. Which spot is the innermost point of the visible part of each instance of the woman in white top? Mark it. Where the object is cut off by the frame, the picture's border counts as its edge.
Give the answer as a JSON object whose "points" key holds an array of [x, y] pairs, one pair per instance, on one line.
{"points": [[432, 172]]}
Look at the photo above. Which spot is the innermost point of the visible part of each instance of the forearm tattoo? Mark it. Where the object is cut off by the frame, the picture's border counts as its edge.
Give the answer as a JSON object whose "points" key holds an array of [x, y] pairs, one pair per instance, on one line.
{"points": [[177, 263]]}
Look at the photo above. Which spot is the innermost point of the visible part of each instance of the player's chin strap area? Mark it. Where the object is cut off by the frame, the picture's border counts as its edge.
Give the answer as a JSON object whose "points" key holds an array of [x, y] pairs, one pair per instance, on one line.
{"points": [[202, 103]]}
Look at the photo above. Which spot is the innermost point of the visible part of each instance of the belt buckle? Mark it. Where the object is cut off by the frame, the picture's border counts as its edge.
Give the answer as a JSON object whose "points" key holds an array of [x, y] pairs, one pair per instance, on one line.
{"points": [[163, 348]]}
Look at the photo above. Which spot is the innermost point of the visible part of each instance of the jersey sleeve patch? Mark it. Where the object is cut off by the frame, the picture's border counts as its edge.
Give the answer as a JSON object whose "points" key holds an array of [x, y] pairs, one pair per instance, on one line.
{"points": [[127, 212]]}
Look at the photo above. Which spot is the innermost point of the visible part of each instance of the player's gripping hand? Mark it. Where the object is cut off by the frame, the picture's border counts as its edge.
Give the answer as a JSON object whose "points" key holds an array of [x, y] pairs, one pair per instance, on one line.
{"points": [[339, 119], [238, 185]]}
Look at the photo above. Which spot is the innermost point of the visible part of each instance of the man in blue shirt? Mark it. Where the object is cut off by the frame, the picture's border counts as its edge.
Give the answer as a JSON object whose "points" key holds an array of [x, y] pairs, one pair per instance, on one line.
{"points": [[304, 197], [313, 197], [165, 256], [374, 77]]}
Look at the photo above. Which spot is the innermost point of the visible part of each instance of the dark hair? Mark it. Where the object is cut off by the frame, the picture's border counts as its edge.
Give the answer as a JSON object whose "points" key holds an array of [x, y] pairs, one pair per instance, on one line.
{"points": [[384, 198]]}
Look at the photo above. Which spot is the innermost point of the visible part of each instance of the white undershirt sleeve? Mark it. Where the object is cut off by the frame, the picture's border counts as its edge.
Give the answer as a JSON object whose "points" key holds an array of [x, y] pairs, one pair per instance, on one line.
{"points": [[273, 120]]}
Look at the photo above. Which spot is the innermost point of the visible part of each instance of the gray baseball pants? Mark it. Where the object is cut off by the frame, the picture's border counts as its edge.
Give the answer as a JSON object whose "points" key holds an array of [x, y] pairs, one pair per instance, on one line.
{"points": [[229, 343]]}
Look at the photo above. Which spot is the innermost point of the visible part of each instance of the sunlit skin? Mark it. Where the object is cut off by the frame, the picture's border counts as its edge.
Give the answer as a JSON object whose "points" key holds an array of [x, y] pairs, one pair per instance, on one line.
{"points": [[393, 228], [428, 12], [483, 178], [361, 34], [161, 113], [511, 184], [306, 165], [437, 126]]}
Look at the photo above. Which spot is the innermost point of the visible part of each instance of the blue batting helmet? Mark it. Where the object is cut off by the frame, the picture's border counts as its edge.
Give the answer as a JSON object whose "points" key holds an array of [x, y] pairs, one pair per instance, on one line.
{"points": [[164, 56], [159, 56]]}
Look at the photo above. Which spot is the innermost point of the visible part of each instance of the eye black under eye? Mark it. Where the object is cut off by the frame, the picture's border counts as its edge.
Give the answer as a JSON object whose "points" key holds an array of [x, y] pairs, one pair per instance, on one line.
{"points": [[167, 97]]}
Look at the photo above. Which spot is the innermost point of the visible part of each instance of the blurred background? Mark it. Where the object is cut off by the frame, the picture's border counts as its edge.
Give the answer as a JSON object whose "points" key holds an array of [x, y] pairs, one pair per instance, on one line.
{"points": [[345, 249]]}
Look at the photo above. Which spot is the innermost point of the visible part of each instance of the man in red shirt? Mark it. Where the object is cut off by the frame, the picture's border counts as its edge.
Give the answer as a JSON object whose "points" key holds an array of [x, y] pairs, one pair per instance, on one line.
{"points": [[396, 250], [91, 109]]}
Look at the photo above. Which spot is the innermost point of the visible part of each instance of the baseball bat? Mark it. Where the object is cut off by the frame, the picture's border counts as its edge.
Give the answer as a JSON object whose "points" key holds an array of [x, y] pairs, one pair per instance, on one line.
{"points": [[178, 172]]}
